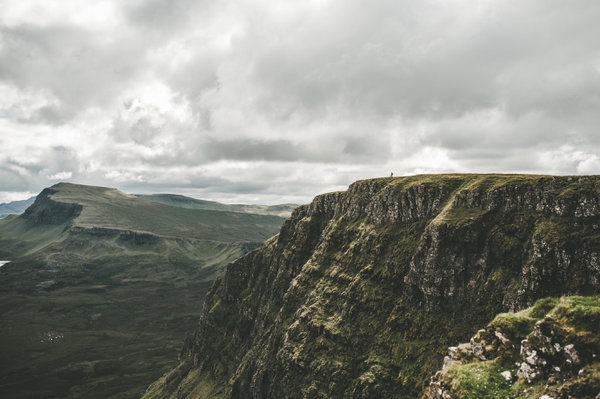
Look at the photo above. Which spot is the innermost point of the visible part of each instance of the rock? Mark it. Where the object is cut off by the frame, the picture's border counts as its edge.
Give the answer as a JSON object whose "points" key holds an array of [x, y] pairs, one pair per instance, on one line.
{"points": [[550, 358], [507, 375], [46, 211]]}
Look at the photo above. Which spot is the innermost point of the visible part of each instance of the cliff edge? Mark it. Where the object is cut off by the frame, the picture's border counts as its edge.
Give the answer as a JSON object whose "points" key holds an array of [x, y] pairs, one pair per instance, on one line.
{"points": [[362, 291]]}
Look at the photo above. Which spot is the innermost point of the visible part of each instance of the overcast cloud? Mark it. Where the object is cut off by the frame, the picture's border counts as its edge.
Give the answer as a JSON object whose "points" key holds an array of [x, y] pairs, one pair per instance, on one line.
{"points": [[277, 101]]}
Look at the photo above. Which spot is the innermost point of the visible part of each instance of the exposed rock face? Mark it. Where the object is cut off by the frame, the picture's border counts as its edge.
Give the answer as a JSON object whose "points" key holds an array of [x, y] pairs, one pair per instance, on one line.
{"points": [[135, 237], [363, 290], [47, 211]]}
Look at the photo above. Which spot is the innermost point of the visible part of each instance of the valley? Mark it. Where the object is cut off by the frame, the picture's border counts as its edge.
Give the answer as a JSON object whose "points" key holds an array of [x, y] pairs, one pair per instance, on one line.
{"points": [[103, 287]]}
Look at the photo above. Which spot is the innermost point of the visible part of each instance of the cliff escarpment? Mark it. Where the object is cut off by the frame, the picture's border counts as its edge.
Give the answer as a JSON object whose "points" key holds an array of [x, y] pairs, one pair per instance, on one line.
{"points": [[362, 291], [47, 211]]}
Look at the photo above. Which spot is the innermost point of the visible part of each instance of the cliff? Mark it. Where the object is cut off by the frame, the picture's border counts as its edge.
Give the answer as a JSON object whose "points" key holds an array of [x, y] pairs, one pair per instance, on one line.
{"points": [[362, 291], [47, 211]]}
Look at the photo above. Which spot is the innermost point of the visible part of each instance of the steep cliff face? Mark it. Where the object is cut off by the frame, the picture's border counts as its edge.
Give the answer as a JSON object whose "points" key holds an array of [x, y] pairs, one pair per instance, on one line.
{"points": [[363, 290], [46, 211]]}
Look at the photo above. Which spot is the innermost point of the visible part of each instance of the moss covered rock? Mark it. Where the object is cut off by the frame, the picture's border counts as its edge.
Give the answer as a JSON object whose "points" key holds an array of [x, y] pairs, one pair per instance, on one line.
{"points": [[551, 349], [362, 291]]}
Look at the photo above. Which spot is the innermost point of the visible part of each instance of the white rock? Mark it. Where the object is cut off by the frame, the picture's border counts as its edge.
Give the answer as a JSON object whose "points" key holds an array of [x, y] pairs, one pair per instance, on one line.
{"points": [[501, 337]]}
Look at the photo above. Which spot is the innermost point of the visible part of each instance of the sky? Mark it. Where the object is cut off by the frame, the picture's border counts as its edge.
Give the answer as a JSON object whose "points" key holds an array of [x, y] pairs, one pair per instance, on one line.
{"points": [[256, 101]]}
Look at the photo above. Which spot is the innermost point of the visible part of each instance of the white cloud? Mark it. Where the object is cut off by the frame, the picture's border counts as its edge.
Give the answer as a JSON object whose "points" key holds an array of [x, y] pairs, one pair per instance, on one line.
{"points": [[101, 15], [264, 99], [10, 196], [60, 176]]}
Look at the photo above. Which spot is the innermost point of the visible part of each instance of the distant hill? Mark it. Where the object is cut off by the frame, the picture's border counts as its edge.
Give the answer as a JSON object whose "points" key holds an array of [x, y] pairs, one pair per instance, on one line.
{"points": [[15, 207], [103, 286], [283, 210]]}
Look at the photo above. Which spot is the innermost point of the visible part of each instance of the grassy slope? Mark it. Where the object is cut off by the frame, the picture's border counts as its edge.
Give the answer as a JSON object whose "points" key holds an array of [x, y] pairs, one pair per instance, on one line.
{"points": [[102, 315], [283, 210], [110, 208]]}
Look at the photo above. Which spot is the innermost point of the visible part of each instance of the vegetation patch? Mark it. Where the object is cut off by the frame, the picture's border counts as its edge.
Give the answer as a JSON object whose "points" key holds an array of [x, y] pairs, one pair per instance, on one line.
{"points": [[481, 380], [549, 349]]}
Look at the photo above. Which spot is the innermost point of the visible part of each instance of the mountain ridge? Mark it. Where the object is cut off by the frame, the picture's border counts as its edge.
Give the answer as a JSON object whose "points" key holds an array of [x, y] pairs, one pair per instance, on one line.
{"points": [[90, 206], [362, 291]]}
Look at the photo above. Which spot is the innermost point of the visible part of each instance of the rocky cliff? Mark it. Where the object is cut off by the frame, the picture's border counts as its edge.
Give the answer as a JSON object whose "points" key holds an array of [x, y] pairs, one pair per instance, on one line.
{"points": [[362, 291], [47, 211]]}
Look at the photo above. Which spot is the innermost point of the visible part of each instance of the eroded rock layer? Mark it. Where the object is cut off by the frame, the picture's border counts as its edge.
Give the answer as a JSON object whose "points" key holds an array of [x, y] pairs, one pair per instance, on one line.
{"points": [[362, 291]]}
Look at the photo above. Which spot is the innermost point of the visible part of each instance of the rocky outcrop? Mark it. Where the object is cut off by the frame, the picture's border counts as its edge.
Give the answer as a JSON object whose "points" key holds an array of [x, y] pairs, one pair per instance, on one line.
{"points": [[363, 290], [550, 351]]}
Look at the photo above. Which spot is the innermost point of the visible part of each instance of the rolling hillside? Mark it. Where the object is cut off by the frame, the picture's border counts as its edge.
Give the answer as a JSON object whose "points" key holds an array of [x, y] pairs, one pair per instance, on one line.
{"points": [[283, 210], [103, 286]]}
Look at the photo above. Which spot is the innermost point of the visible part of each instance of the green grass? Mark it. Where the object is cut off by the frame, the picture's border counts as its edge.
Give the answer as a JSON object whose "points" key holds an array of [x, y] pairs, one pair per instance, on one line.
{"points": [[582, 313], [480, 380], [573, 320], [112, 209], [356, 318]]}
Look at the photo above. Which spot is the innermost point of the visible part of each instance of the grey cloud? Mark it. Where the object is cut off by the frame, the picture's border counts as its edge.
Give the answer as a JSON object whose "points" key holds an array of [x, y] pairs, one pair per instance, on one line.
{"points": [[343, 150], [417, 65], [12, 180], [252, 149], [72, 65], [19, 175], [366, 148], [145, 125], [340, 85], [165, 15], [349, 150]]}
